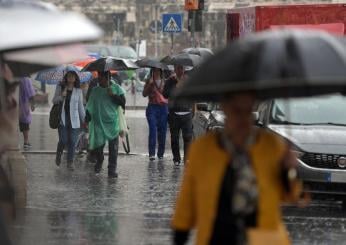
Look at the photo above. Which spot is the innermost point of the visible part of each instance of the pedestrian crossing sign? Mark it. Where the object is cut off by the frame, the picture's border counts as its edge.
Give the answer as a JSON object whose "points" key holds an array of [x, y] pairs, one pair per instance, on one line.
{"points": [[172, 22]]}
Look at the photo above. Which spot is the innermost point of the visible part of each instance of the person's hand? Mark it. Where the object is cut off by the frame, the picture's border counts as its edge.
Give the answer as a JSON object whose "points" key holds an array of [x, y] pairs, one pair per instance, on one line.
{"points": [[151, 81], [64, 93], [109, 91], [85, 125]]}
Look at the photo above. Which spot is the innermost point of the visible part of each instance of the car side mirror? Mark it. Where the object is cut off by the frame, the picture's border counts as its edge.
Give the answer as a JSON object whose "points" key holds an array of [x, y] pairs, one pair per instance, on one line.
{"points": [[202, 106]]}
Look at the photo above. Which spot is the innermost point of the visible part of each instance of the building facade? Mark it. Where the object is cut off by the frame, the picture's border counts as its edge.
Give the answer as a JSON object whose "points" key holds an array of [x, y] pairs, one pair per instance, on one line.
{"points": [[127, 22]]}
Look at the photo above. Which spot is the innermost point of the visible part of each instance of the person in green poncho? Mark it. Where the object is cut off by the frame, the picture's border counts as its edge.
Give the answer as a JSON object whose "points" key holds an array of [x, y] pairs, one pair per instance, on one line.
{"points": [[102, 114]]}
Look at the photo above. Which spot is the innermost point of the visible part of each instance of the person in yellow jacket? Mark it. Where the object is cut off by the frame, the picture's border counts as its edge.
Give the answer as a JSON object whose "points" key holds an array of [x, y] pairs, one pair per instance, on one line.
{"points": [[235, 182]]}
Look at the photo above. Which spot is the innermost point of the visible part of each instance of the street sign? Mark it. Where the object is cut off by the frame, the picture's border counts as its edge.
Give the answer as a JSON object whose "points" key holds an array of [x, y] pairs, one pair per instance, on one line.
{"points": [[158, 26], [172, 22]]}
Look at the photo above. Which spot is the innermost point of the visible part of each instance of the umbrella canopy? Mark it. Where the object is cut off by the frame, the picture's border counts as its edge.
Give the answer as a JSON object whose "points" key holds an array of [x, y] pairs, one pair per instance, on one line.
{"points": [[183, 59], [110, 63], [280, 63], [205, 53], [30, 24], [82, 63], [25, 62], [151, 63], [56, 75]]}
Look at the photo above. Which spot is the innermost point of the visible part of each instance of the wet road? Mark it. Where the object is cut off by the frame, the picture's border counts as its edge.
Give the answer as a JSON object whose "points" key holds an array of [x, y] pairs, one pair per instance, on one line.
{"points": [[80, 208]]}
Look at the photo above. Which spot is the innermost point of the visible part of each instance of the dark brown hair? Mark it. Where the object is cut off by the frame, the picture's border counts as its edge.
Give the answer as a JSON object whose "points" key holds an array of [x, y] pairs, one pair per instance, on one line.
{"points": [[76, 83]]}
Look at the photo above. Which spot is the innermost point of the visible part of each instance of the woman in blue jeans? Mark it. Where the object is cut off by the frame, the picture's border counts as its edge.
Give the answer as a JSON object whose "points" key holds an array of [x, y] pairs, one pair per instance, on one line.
{"points": [[156, 113], [69, 94]]}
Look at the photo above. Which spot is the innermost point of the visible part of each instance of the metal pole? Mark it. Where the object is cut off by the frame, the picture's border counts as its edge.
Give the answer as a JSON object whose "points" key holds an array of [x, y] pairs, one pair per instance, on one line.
{"points": [[193, 28], [172, 47], [156, 42]]}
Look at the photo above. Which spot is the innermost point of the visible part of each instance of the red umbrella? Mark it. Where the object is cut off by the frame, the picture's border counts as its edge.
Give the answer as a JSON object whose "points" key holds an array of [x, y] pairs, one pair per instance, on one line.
{"points": [[82, 63]]}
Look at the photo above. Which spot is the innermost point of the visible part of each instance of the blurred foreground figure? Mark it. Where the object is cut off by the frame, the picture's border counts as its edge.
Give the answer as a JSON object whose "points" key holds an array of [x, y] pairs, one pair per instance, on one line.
{"points": [[232, 192], [8, 137]]}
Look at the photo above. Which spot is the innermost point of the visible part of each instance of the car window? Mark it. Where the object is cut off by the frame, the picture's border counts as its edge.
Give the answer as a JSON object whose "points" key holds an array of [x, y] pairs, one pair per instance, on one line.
{"points": [[315, 110]]}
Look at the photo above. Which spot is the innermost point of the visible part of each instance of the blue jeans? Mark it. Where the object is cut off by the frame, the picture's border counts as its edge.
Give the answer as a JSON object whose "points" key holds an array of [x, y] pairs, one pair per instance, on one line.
{"points": [[157, 121], [67, 138]]}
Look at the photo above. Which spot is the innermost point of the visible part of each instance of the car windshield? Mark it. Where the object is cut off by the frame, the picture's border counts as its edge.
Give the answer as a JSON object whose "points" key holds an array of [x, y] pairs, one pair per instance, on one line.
{"points": [[316, 110]]}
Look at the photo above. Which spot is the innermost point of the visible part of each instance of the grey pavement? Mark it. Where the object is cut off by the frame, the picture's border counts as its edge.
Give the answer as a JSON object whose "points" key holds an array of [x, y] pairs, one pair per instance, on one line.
{"points": [[80, 208]]}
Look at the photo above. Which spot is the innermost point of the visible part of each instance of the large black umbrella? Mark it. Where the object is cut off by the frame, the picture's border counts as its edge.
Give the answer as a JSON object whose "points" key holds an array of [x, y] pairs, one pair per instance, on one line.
{"points": [[205, 53], [151, 63], [183, 59], [280, 63], [110, 63]]}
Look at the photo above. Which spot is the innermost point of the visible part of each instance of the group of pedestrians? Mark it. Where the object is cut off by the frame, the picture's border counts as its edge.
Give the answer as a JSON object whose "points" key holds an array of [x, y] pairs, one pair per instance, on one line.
{"points": [[99, 115], [162, 110]]}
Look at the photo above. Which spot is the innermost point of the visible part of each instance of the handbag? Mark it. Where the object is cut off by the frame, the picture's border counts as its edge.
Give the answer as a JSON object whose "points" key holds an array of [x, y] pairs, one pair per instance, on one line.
{"points": [[55, 116], [122, 121]]}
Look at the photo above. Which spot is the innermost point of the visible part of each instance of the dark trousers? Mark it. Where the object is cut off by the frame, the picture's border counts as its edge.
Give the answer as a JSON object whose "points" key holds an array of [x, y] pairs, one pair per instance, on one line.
{"points": [[179, 123], [67, 138], [157, 121], [113, 146]]}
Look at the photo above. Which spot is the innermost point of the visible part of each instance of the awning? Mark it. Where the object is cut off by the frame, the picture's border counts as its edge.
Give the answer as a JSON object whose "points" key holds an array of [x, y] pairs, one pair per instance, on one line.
{"points": [[333, 28]]}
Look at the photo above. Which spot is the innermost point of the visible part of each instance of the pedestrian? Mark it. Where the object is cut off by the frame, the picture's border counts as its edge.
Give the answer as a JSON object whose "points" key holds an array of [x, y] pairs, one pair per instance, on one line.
{"points": [[26, 105], [156, 113], [102, 115], [233, 190], [69, 94], [180, 115]]}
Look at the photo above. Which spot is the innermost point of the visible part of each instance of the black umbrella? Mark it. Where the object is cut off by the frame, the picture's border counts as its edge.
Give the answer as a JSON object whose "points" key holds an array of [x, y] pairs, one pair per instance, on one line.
{"points": [[205, 53], [110, 63], [151, 63], [183, 59], [280, 63]]}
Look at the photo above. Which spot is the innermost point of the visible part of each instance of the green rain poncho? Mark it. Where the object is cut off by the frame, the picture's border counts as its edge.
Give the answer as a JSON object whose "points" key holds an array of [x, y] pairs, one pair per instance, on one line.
{"points": [[104, 124]]}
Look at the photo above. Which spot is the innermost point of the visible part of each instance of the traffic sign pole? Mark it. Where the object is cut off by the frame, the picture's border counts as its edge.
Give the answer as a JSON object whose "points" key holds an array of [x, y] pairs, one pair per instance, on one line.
{"points": [[193, 28], [172, 47]]}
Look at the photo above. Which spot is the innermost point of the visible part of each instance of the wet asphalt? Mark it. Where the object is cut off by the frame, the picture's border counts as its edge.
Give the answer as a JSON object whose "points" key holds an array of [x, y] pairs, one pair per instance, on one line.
{"points": [[78, 207]]}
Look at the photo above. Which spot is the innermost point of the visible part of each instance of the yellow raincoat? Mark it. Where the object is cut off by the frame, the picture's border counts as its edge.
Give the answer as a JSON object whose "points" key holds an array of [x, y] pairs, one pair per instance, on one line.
{"points": [[197, 201]]}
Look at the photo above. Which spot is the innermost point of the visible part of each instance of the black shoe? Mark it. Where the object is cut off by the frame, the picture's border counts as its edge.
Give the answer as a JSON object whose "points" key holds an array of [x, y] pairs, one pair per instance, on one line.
{"points": [[70, 166], [160, 158], [176, 163], [152, 158], [112, 175], [97, 168], [58, 159]]}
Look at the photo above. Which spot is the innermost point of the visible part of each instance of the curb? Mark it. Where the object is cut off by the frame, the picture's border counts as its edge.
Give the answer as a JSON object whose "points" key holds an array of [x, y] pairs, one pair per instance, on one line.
{"points": [[54, 152]]}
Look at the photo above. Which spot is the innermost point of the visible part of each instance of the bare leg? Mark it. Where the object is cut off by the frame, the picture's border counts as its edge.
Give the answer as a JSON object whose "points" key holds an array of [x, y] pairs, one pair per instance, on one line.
{"points": [[26, 136]]}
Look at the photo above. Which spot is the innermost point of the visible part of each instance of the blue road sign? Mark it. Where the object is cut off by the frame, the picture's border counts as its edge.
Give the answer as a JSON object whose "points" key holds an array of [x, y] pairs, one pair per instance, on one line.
{"points": [[172, 22]]}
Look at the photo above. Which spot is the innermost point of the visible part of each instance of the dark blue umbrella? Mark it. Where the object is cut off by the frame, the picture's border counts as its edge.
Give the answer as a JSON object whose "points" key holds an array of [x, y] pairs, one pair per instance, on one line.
{"points": [[56, 75]]}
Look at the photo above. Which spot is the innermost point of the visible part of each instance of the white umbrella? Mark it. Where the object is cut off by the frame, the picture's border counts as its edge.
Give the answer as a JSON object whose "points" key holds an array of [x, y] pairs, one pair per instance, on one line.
{"points": [[27, 24]]}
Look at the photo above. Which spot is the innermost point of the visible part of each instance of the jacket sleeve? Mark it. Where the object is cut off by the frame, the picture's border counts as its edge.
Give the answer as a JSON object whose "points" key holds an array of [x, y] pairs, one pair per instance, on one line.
{"points": [[167, 88], [184, 214], [57, 95], [81, 109]]}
